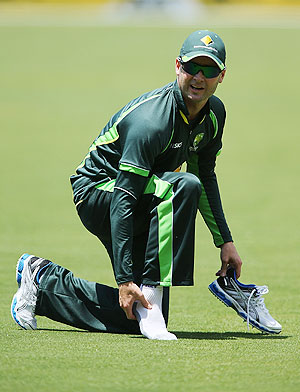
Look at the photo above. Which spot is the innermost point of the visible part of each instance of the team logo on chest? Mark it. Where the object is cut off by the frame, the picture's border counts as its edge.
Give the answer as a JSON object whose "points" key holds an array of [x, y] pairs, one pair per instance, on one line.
{"points": [[196, 141]]}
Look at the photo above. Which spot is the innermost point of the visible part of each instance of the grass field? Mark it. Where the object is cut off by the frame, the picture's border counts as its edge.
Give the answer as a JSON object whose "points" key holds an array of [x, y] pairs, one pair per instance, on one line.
{"points": [[59, 86]]}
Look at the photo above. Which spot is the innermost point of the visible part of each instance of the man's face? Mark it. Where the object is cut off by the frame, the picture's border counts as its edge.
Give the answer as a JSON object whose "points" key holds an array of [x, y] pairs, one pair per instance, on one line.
{"points": [[197, 88]]}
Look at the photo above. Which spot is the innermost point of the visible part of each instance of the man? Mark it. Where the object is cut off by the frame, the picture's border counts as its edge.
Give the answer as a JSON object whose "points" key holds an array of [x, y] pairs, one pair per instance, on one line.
{"points": [[129, 192]]}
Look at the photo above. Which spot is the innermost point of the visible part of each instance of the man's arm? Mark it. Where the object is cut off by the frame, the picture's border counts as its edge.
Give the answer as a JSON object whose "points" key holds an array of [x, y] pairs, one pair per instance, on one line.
{"points": [[203, 164], [142, 137], [210, 207], [128, 188], [127, 191]]}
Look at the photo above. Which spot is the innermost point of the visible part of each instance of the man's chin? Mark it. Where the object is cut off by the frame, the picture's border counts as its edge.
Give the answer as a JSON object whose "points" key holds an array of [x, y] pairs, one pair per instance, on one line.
{"points": [[196, 97]]}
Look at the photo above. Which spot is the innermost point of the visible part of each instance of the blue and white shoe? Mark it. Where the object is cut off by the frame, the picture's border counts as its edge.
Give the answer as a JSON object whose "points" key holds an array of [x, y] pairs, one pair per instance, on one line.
{"points": [[28, 271], [246, 300]]}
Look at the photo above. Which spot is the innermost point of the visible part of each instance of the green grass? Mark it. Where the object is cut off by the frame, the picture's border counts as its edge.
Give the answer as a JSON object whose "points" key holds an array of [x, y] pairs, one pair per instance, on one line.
{"points": [[59, 86]]}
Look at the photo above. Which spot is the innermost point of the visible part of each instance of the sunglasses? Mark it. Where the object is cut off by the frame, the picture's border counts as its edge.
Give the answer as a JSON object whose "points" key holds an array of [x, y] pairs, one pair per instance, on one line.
{"points": [[208, 71]]}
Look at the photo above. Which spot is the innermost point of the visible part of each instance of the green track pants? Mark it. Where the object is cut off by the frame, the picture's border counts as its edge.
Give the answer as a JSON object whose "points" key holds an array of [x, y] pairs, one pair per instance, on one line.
{"points": [[164, 226], [86, 305], [163, 253]]}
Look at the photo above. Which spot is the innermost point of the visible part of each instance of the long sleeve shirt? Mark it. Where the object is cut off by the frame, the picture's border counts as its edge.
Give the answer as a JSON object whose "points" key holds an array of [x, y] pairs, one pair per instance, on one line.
{"points": [[152, 134]]}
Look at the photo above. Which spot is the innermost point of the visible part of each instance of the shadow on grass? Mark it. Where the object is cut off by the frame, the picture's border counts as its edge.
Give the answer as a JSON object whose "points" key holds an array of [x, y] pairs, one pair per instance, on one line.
{"points": [[226, 335], [189, 335], [80, 331]]}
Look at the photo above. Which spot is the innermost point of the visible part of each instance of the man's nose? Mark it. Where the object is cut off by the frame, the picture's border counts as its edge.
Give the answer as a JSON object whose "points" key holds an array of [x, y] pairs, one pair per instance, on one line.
{"points": [[199, 76]]}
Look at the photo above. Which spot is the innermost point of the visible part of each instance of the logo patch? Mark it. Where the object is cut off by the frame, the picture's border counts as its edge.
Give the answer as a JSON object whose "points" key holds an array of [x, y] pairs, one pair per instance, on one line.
{"points": [[196, 141], [207, 40]]}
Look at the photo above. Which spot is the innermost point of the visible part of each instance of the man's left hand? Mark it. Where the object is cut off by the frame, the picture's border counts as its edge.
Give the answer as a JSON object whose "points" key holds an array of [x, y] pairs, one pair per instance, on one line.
{"points": [[229, 257]]}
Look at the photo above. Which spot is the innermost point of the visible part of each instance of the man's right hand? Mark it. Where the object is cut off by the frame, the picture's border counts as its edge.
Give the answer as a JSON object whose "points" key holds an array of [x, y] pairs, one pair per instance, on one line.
{"points": [[129, 292]]}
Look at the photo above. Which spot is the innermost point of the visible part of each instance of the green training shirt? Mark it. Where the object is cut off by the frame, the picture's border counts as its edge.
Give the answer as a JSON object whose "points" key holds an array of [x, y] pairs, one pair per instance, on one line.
{"points": [[152, 134]]}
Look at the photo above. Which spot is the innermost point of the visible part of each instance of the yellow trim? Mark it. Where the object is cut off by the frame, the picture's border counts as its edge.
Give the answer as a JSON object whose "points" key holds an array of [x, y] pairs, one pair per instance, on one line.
{"points": [[187, 121], [184, 117], [80, 201], [202, 119]]}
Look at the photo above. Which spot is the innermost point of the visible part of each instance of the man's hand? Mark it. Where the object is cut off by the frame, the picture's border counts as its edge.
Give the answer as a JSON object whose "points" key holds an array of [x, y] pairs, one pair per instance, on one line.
{"points": [[129, 292], [229, 257]]}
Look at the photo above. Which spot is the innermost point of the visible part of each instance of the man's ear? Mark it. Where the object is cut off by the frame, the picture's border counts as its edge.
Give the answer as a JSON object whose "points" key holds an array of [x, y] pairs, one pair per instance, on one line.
{"points": [[177, 66], [222, 75]]}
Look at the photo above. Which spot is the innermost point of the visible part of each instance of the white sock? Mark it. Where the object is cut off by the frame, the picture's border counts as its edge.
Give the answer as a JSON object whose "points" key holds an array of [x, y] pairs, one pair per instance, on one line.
{"points": [[151, 321]]}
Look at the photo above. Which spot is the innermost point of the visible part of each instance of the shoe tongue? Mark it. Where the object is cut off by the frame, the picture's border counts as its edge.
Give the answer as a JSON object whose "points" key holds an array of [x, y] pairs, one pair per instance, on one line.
{"points": [[230, 272], [261, 290]]}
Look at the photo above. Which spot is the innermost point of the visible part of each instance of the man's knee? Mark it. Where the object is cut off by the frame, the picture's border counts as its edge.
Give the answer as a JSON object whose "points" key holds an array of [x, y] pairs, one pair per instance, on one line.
{"points": [[190, 184], [185, 184]]}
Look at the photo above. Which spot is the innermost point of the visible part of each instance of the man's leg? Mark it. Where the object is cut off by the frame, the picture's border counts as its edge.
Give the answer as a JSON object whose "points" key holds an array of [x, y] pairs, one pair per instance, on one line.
{"points": [[87, 305], [138, 257], [171, 201], [47, 289], [164, 219], [169, 258]]}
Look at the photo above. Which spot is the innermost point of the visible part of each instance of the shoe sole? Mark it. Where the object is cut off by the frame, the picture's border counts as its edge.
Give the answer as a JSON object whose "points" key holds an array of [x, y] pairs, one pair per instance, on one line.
{"points": [[14, 314], [217, 291], [13, 311]]}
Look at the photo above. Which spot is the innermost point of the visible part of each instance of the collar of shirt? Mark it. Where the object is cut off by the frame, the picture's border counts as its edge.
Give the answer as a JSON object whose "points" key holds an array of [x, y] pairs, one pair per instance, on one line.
{"points": [[183, 109]]}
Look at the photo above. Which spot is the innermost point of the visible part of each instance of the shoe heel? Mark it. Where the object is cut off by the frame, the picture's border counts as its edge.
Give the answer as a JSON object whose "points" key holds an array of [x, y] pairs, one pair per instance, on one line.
{"points": [[13, 311], [219, 294], [20, 266]]}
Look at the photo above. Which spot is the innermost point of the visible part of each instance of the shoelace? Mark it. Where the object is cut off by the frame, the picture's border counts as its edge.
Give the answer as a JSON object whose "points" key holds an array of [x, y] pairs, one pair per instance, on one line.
{"points": [[259, 290]]}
